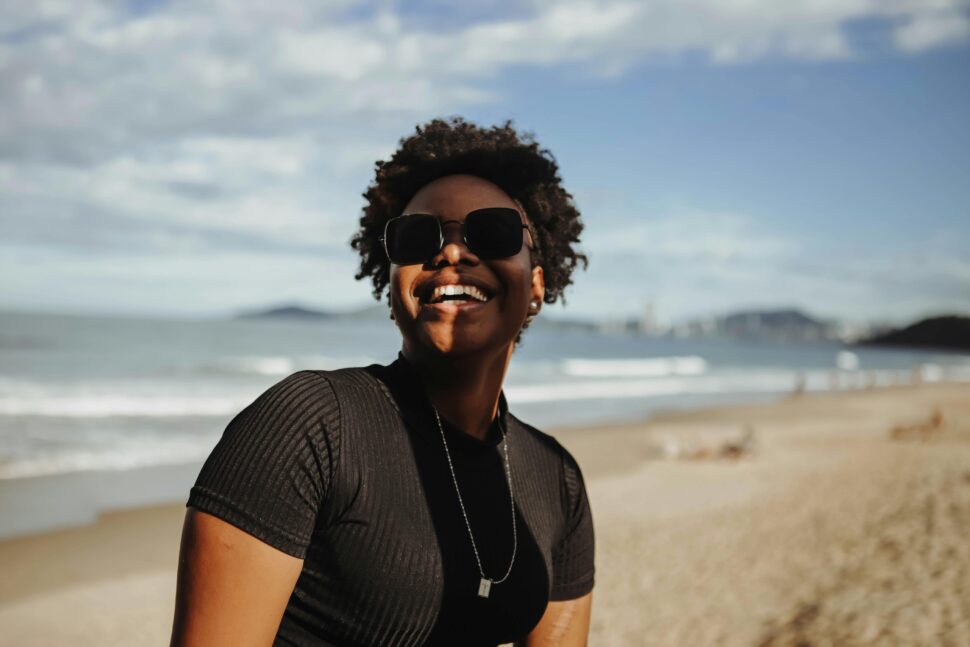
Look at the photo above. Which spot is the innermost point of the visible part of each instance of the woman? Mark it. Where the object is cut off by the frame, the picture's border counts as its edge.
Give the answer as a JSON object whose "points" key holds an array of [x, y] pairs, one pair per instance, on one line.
{"points": [[403, 504]]}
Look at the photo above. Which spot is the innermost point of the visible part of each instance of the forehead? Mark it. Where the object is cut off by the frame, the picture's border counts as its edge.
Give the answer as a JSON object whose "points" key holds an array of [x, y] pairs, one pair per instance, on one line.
{"points": [[456, 195]]}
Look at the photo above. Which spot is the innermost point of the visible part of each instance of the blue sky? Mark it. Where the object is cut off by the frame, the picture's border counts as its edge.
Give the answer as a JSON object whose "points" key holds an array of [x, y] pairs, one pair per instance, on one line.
{"points": [[188, 158]]}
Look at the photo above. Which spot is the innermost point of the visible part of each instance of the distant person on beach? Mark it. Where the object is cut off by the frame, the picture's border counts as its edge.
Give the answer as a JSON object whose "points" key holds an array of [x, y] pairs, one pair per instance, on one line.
{"points": [[403, 504]]}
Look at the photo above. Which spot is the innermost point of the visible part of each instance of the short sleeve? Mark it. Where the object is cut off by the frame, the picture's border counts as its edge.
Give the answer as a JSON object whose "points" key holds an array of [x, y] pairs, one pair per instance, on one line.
{"points": [[269, 473], [572, 561]]}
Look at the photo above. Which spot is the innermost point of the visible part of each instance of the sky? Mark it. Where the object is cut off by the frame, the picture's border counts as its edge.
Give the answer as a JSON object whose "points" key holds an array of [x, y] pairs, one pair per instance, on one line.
{"points": [[208, 156]]}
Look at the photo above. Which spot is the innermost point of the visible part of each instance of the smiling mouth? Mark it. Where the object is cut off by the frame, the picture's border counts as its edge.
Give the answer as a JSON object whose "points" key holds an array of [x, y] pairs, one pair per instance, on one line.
{"points": [[456, 293]]}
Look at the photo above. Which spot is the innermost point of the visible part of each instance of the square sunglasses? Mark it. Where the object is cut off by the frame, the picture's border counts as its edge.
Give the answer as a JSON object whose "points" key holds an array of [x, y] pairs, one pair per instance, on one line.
{"points": [[490, 233]]}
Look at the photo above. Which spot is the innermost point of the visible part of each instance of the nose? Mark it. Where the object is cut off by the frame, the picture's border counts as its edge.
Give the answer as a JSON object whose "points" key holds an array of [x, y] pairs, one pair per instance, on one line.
{"points": [[454, 250]]}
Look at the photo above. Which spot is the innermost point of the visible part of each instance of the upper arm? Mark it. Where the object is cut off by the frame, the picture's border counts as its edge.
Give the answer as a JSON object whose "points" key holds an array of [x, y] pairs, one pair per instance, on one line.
{"points": [[573, 567], [252, 513], [270, 472], [232, 588], [566, 619], [564, 624]]}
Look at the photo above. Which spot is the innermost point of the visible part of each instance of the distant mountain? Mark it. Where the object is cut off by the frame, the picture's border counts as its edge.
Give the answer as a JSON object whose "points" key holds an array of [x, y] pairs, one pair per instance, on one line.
{"points": [[770, 319], [778, 325], [783, 325], [378, 311], [948, 333], [285, 312]]}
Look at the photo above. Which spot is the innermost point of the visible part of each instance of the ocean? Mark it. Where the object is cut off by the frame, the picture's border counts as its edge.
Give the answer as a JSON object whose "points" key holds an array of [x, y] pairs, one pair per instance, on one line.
{"points": [[85, 392], [122, 394]]}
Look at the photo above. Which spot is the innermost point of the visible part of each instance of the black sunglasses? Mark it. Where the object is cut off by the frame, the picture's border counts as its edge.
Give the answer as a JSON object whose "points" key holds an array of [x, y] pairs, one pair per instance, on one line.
{"points": [[491, 233]]}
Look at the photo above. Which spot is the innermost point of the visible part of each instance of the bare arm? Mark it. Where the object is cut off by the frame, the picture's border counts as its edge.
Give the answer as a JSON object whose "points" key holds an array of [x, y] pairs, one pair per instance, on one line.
{"points": [[564, 624], [232, 588]]}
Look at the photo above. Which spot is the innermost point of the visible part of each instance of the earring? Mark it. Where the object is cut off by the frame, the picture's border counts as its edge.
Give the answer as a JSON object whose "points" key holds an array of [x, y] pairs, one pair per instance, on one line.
{"points": [[533, 311]]}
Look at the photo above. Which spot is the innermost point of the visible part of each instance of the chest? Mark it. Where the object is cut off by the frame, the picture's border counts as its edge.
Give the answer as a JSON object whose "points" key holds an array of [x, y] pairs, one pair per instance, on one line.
{"points": [[400, 541]]}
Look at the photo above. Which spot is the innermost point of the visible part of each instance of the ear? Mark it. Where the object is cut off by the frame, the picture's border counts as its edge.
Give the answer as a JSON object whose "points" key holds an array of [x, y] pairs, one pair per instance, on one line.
{"points": [[538, 285]]}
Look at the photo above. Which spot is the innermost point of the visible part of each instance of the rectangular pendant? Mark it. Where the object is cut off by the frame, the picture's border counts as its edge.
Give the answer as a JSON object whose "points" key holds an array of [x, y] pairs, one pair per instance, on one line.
{"points": [[483, 587]]}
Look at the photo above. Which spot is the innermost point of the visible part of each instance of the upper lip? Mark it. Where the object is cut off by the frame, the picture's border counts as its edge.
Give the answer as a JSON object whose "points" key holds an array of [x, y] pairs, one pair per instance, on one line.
{"points": [[425, 288]]}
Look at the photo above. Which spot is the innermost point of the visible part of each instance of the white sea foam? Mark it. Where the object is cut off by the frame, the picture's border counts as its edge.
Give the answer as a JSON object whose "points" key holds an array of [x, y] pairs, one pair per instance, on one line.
{"points": [[280, 364], [729, 383], [847, 360], [648, 367], [145, 453], [931, 372], [629, 380], [257, 365], [650, 388], [101, 405]]}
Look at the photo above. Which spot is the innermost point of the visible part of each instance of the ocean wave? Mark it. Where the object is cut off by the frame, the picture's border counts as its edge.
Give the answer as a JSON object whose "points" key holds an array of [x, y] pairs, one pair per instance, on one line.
{"points": [[647, 388], [147, 454], [730, 383], [278, 364], [105, 448], [104, 405], [163, 399], [649, 367]]}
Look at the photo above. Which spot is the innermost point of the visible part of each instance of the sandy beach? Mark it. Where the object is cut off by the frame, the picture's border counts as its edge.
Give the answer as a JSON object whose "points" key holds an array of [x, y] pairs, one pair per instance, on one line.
{"points": [[822, 519]]}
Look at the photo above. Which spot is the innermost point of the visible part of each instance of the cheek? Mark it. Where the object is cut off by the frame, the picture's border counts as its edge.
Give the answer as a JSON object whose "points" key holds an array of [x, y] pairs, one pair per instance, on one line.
{"points": [[518, 278], [399, 280], [400, 307]]}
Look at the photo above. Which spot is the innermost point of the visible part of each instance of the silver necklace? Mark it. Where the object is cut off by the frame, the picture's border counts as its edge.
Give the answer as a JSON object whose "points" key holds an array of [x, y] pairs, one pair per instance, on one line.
{"points": [[485, 585]]}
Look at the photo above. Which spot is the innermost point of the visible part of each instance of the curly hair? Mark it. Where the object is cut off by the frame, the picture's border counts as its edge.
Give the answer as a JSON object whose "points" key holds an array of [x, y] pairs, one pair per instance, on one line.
{"points": [[510, 160]]}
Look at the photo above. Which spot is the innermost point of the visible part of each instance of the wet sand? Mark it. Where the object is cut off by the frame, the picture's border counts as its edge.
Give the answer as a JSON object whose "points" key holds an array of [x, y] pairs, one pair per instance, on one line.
{"points": [[821, 528]]}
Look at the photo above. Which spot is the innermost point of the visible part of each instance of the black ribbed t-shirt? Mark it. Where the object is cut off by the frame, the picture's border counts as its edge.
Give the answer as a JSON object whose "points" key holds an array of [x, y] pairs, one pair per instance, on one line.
{"points": [[346, 469]]}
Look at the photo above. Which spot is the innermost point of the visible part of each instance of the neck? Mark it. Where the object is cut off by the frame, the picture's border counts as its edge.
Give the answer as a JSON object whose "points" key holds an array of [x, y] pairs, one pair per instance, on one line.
{"points": [[465, 390]]}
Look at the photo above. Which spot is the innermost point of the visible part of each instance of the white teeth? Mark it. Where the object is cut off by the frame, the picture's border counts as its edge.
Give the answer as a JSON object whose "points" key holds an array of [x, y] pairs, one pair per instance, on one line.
{"points": [[454, 290]]}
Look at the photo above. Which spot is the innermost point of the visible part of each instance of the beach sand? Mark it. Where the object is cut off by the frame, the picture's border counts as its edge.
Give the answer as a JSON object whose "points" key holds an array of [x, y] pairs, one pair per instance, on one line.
{"points": [[843, 519]]}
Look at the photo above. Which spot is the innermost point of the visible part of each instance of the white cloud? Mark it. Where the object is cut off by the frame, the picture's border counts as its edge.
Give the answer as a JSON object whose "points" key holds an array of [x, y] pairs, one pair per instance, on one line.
{"points": [[927, 31], [690, 236], [185, 283], [86, 82], [346, 55], [689, 262], [204, 124]]}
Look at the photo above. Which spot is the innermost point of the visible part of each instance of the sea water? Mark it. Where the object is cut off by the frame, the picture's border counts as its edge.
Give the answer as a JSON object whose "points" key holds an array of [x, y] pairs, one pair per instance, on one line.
{"points": [[102, 413], [84, 393]]}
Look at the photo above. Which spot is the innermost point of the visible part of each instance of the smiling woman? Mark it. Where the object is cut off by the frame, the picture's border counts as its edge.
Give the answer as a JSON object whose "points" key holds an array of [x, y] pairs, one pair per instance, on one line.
{"points": [[509, 283], [404, 504]]}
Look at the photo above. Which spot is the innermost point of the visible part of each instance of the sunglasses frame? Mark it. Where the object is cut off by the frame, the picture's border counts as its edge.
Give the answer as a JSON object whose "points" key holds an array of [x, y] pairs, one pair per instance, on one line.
{"points": [[441, 232]]}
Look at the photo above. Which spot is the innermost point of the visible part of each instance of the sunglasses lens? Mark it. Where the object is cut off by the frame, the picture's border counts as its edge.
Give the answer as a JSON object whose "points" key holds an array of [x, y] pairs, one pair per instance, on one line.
{"points": [[412, 239], [494, 233]]}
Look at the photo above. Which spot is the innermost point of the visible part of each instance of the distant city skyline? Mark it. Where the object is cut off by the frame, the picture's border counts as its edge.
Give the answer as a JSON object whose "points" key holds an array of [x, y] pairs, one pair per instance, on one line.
{"points": [[196, 159]]}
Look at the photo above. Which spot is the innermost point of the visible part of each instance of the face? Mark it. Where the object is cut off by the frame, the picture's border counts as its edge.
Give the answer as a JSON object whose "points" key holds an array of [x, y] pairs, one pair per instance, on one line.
{"points": [[509, 284]]}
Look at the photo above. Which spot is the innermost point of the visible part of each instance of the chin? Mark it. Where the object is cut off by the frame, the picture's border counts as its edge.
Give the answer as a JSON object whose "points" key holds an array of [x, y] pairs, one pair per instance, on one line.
{"points": [[455, 345], [446, 340]]}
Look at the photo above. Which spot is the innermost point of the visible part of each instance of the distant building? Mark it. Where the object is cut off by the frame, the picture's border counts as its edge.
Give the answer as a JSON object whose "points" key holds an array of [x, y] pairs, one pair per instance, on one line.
{"points": [[648, 322]]}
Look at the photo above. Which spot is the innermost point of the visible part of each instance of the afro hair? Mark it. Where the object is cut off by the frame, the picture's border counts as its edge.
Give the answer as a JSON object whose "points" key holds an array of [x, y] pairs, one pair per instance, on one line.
{"points": [[512, 161]]}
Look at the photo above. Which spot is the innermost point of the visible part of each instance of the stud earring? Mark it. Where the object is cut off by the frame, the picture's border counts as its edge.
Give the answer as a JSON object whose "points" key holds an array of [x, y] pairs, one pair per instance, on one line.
{"points": [[533, 311]]}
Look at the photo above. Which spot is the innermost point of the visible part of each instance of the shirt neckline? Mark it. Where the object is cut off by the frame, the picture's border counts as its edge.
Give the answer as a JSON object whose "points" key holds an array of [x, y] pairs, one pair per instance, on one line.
{"points": [[409, 383]]}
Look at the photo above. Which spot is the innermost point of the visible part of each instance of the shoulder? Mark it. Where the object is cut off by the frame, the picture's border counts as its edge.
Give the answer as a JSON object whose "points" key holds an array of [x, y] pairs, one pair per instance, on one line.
{"points": [[546, 450], [545, 443], [295, 400], [324, 404], [301, 408], [296, 389], [311, 391], [545, 447]]}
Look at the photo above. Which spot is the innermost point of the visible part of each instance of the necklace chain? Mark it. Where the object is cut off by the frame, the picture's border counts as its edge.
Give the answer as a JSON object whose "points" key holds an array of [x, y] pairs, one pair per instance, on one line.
{"points": [[486, 583]]}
